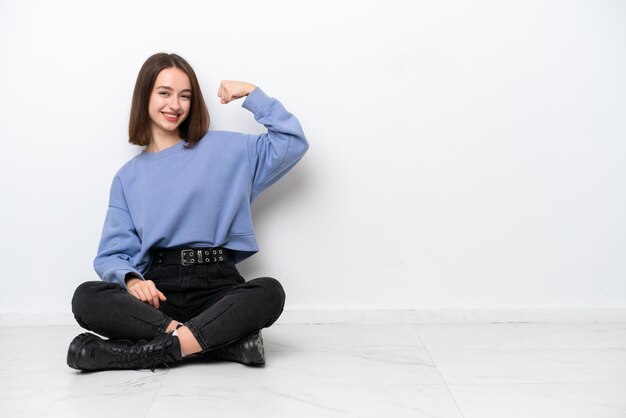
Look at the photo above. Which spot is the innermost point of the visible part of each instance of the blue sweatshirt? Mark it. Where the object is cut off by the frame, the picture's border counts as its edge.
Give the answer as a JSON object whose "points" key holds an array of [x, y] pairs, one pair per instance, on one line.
{"points": [[199, 197]]}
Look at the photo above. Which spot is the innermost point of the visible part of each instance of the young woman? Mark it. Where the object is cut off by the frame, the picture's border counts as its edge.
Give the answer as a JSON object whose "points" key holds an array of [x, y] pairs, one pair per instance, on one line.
{"points": [[177, 223]]}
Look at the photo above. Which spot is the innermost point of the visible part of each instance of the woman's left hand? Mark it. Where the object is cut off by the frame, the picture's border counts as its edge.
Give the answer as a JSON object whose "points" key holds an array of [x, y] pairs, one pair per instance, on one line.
{"points": [[232, 90]]}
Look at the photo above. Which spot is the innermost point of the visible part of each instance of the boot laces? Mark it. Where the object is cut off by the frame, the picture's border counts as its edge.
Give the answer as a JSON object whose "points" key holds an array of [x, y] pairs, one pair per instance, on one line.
{"points": [[145, 353]]}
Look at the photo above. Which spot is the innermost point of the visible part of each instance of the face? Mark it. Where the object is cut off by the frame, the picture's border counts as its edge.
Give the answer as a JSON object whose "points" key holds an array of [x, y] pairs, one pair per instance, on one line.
{"points": [[170, 101]]}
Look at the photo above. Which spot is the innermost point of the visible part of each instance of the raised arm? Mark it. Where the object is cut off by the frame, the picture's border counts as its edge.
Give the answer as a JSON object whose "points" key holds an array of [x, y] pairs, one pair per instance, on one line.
{"points": [[274, 153]]}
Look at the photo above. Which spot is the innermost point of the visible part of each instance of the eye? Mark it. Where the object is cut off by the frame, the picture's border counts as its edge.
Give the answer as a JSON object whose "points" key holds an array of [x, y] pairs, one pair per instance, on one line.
{"points": [[163, 93], [186, 97]]}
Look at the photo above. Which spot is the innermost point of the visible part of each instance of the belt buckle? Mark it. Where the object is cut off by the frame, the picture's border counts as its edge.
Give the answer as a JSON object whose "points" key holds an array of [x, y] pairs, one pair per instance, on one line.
{"points": [[183, 258]]}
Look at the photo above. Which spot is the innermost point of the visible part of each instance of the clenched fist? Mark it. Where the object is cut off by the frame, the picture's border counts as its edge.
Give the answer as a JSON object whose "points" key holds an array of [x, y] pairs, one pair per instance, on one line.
{"points": [[231, 90]]}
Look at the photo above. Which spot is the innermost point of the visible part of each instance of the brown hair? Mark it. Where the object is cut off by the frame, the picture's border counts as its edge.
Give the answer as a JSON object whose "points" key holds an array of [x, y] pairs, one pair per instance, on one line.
{"points": [[193, 127]]}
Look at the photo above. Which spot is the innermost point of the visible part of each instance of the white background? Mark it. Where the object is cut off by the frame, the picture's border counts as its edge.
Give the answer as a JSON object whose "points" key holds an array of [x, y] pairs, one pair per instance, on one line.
{"points": [[464, 155]]}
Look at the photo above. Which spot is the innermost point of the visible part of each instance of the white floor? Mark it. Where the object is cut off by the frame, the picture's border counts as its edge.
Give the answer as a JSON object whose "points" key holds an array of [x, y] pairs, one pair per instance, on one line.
{"points": [[344, 370]]}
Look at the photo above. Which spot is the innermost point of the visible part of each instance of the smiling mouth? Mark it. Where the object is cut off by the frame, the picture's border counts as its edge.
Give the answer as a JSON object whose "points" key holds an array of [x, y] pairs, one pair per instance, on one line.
{"points": [[172, 117]]}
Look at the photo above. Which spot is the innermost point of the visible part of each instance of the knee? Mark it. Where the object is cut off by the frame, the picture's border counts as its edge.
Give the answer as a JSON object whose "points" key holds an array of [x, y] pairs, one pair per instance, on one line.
{"points": [[273, 291], [85, 296], [81, 295], [273, 299]]}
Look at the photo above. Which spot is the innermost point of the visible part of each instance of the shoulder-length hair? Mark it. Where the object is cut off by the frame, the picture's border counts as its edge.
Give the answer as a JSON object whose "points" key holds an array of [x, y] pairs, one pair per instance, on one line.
{"points": [[193, 127]]}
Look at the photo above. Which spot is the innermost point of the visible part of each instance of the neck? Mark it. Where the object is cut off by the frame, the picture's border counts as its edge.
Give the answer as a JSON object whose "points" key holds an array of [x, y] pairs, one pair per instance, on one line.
{"points": [[159, 142]]}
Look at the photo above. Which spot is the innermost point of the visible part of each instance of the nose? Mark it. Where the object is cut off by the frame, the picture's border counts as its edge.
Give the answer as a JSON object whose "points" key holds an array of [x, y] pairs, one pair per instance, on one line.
{"points": [[174, 102]]}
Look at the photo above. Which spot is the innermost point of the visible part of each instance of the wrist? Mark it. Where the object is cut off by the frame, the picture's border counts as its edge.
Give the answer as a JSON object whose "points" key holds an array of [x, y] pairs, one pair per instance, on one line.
{"points": [[131, 279]]}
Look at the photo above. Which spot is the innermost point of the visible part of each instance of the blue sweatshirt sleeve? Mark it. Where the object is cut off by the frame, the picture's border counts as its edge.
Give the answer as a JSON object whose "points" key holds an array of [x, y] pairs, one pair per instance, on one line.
{"points": [[119, 242], [274, 153]]}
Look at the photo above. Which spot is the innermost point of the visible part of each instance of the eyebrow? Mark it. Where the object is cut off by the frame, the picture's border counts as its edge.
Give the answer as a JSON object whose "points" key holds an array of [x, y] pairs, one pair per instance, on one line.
{"points": [[169, 88]]}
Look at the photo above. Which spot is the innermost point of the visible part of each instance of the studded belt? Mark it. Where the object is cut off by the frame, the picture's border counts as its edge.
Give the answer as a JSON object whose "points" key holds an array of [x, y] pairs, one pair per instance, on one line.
{"points": [[191, 256]]}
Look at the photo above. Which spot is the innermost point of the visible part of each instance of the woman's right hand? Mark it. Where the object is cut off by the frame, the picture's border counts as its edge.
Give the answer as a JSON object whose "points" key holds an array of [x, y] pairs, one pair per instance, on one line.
{"points": [[146, 291]]}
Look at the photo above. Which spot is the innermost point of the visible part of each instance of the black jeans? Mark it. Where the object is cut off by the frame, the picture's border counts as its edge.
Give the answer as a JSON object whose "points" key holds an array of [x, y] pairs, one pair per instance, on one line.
{"points": [[213, 300]]}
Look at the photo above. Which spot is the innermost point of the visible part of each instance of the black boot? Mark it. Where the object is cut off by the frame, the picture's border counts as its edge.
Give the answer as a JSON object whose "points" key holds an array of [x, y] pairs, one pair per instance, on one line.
{"points": [[90, 352], [247, 350]]}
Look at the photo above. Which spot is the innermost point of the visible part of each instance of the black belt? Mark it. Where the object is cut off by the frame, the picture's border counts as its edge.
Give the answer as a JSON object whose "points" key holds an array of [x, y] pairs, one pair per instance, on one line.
{"points": [[191, 256]]}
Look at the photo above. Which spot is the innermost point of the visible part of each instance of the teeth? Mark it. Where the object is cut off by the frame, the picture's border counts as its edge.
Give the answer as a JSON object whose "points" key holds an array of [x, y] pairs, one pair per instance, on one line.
{"points": [[170, 115]]}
